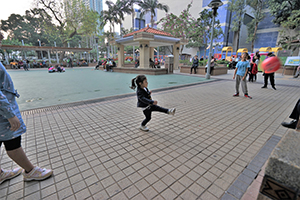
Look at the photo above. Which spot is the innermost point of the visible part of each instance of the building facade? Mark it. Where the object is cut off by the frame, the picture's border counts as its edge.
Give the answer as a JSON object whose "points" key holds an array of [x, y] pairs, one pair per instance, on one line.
{"points": [[95, 5]]}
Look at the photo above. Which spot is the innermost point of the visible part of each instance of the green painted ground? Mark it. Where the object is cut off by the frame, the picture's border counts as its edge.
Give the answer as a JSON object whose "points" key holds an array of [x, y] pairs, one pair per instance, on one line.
{"points": [[38, 88]]}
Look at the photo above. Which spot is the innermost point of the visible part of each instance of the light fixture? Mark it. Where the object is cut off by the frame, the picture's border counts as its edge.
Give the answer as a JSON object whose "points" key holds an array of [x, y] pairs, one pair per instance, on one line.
{"points": [[215, 4]]}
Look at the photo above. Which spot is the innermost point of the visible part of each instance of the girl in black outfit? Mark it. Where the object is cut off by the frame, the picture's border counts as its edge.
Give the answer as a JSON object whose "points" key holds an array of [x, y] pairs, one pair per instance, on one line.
{"points": [[145, 101]]}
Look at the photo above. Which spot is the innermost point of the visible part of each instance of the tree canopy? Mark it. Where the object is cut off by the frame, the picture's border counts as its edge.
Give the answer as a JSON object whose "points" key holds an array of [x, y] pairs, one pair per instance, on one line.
{"points": [[283, 9]]}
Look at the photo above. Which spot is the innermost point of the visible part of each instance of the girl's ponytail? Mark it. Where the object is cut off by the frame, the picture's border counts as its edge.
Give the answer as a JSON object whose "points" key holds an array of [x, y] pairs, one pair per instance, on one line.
{"points": [[135, 82], [133, 86]]}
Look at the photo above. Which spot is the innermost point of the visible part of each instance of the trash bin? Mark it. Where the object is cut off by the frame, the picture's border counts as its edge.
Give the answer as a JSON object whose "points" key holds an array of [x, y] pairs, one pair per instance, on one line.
{"points": [[169, 64]]}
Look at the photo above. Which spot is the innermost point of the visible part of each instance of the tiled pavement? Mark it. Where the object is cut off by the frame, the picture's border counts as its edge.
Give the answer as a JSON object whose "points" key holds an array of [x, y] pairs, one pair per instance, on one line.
{"points": [[97, 151]]}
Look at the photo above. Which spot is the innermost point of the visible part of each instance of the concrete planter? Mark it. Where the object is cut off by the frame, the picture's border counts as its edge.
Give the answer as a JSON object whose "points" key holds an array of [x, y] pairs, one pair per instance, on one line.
{"points": [[218, 70]]}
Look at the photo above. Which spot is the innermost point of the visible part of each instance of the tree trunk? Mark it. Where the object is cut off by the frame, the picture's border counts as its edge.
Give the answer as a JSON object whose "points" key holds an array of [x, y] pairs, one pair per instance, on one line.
{"points": [[152, 21], [228, 29], [132, 15], [121, 30], [238, 37], [254, 34]]}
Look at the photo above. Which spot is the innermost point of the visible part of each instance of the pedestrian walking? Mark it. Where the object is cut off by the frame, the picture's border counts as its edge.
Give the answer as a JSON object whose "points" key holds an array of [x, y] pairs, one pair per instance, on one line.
{"points": [[195, 64], [270, 76], [11, 129], [240, 74], [145, 101]]}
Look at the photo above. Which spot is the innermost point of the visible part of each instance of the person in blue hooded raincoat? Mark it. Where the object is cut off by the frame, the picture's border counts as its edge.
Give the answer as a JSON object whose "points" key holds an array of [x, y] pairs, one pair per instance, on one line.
{"points": [[11, 129]]}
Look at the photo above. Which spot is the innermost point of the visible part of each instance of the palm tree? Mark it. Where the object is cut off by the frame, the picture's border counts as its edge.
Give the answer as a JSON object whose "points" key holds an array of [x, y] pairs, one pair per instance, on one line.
{"points": [[151, 6], [121, 8]]}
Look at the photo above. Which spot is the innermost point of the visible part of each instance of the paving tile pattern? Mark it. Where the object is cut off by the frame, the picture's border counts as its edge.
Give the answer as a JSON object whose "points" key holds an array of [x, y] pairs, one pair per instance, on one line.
{"points": [[97, 151]]}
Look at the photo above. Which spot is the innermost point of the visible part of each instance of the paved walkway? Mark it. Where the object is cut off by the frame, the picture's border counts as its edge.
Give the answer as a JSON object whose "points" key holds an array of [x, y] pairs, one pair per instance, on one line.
{"points": [[97, 151]]}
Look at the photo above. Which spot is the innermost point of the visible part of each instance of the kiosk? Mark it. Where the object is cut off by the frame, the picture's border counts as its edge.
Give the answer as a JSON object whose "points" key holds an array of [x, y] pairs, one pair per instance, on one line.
{"points": [[227, 53], [276, 49]]}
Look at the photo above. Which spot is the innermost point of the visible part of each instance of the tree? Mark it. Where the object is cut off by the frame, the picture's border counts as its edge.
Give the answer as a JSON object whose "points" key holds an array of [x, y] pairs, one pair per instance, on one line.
{"points": [[196, 30], [281, 10], [121, 8], [201, 30], [259, 15], [151, 6], [290, 37], [29, 27], [238, 8], [178, 26]]}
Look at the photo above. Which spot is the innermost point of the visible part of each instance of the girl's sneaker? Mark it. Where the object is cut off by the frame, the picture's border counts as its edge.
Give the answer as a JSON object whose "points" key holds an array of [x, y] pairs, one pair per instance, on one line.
{"points": [[172, 111], [9, 174], [144, 128], [37, 173]]}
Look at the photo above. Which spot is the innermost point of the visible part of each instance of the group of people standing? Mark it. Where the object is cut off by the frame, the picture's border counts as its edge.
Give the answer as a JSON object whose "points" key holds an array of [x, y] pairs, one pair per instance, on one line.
{"points": [[247, 66]]}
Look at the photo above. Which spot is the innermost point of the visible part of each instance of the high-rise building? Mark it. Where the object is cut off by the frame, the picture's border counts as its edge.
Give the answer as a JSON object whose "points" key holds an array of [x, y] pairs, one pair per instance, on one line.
{"points": [[95, 5]]}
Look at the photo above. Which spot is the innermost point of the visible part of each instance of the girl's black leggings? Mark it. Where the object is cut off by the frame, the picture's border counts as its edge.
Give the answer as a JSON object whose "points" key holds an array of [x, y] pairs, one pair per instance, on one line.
{"points": [[149, 110]]}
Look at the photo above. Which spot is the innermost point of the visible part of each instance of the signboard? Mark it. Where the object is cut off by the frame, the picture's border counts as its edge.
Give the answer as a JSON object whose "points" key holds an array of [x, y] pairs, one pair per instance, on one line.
{"points": [[284, 53], [292, 61]]}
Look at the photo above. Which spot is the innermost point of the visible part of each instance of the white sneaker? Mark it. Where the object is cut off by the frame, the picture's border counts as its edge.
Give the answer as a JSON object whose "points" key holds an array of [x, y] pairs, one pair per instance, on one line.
{"points": [[105, 70], [9, 174], [37, 173], [144, 128], [172, 111]]}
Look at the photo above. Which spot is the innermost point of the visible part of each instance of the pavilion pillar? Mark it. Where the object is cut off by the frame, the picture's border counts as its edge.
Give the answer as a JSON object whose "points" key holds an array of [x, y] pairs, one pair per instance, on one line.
{"points": [[121, 58], [6, 57], [176, 48], [57, 60], [144, 54], [151, 53], [49, 57]]}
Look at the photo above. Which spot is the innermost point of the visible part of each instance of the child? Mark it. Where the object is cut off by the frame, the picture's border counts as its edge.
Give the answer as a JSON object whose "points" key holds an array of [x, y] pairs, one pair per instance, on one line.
{"points": [[11, 129], [241, 71], [145, 101]]}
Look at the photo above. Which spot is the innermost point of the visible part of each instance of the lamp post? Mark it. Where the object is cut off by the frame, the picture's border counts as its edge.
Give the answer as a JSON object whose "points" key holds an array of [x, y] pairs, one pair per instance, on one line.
{"points": [[97, 39], [214, 4], [41, 51]]}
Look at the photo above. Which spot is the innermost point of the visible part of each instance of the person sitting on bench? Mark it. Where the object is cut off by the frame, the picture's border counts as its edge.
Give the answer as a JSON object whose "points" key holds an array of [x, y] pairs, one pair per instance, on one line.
{"points": [[295, 116], [151, 63]]}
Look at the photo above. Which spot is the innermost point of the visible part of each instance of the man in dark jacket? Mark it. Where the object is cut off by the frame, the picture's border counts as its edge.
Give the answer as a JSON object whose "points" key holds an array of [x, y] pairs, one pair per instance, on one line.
{"points": [[195, 64]]}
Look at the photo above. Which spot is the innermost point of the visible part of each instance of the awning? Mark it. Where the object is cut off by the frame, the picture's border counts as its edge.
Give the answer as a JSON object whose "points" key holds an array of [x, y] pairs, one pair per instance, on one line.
{"points": [[275, 49], [243, 50], [265, 49], [227, 49]]}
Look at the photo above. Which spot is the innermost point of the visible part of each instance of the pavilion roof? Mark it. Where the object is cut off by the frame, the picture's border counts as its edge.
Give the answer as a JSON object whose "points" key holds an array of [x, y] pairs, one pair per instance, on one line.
{"points": [[149, 30]]}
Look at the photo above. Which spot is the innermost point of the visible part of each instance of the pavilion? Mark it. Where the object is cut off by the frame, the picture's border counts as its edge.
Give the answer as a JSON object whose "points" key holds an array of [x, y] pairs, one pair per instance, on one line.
{"points": [[147, 39]]}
